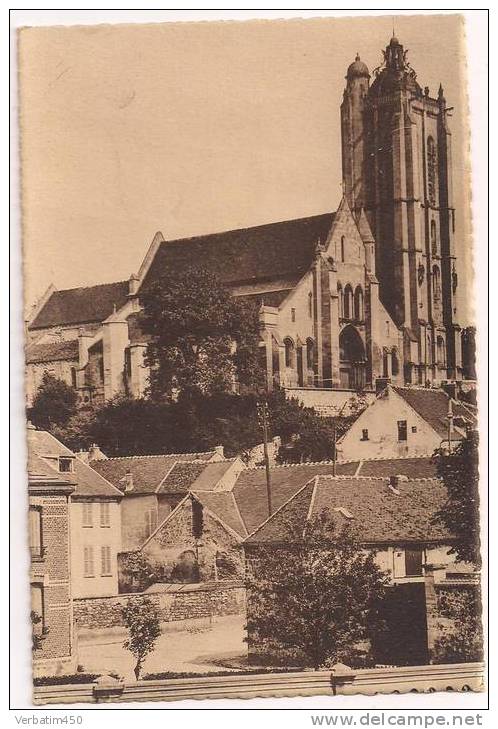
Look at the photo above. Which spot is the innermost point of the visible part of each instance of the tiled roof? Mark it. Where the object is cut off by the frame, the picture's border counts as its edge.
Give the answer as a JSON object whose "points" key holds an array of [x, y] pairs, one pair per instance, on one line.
{"points": [[87, 481], [52, 351], [211, 475], [39, 470], [223, 505], [81, 305], [250, 487], [247, 255], [378, 515], [43, 443], [181, 477], [420, 467], [268, 298], [147, 471], [432, 406], [90, 483]]}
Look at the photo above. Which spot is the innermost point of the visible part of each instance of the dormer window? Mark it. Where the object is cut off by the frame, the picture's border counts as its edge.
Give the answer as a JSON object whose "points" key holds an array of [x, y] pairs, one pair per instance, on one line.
{"points": [[65, 465]]}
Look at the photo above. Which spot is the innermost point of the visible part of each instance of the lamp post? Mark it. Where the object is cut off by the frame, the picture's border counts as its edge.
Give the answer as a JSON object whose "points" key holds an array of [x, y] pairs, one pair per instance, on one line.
{"points": [[263, 419]]}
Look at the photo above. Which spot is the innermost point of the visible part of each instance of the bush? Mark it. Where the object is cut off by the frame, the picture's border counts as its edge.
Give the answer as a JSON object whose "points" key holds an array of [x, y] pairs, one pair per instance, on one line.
{"points": [[66, 679], [244, 672]]}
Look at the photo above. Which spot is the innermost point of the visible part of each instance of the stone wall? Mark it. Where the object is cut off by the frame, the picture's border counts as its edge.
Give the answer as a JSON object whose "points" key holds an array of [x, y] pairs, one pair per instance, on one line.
{"points": [[174, 540], [173, 602], [328, 402]]}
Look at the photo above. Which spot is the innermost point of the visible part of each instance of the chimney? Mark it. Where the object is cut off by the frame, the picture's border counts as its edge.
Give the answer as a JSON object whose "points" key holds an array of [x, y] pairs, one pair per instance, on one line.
{"points": [[381, 383], [95, 454], [83, 456], [220, 451], [394, 482], [133, 282], [126, 482]]}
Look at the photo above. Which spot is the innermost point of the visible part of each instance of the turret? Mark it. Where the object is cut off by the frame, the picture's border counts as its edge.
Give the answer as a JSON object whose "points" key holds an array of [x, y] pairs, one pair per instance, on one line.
{"points": [[352, 132]]}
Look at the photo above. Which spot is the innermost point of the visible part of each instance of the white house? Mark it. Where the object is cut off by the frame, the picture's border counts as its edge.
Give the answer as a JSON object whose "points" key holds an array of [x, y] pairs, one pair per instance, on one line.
{"points": [[403, 422]]}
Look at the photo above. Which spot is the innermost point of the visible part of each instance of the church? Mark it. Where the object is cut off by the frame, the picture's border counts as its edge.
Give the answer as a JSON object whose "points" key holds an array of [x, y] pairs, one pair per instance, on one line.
{"points": [[349, 300]]}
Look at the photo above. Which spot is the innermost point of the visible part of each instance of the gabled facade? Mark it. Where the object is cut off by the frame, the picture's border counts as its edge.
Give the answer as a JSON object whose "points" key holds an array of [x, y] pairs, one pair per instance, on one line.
{"points": [[200, 541], [94, 518], [152, 486], [406, 421]]}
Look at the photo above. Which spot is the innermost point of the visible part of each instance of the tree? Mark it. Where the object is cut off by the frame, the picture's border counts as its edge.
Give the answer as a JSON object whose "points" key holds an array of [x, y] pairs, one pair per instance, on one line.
{"points": [[142, 621], [203, 339], [127, 426], [463, 641], [460, 514], [316, 596], [54, 403], [76, 433]]}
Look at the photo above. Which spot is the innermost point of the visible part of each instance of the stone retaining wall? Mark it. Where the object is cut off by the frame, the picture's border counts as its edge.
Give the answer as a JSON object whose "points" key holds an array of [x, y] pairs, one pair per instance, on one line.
{"points": [[174, 602]]}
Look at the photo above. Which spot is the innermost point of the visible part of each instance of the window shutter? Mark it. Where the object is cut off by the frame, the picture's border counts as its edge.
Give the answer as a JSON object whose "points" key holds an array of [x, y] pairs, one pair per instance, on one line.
{"points": [[88, 561], [105, 557], [105, 517], [87, 514]]}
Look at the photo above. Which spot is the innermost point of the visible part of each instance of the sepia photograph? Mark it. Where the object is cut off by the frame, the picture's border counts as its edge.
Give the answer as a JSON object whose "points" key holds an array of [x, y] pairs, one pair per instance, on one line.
{"points": [[251, 373]]}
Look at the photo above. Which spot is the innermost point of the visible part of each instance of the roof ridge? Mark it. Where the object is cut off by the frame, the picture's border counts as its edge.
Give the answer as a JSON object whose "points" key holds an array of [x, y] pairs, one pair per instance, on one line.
{"points": [[247, 227], [294, 465], [420, 388], [312, 481], [389, 458], [91, 286], [340, 463], [158, 455], [375, 478]]}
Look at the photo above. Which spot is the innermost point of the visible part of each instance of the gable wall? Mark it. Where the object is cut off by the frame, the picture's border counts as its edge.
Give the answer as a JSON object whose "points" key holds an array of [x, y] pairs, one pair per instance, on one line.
{"points": [[380, 419], [175, 537], [134, 514]]}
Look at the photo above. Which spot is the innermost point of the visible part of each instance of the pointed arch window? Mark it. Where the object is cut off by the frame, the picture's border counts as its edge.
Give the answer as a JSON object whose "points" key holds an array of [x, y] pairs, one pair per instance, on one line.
{"points": [[289, 352], [310, 305], [433, 238], [358, 304], [431, 170], [348, 302], [343, 249], [394, 363], [340, 296], [310, 354], [441, 351], [436, 283]]}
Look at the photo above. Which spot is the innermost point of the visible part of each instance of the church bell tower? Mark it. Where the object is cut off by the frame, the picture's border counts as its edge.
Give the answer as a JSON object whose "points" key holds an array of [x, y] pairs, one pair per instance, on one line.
{"points": [[396, 161]]}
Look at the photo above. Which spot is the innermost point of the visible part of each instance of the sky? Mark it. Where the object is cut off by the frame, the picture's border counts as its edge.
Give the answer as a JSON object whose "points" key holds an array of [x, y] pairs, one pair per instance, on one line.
{"points": [[192, 128]]}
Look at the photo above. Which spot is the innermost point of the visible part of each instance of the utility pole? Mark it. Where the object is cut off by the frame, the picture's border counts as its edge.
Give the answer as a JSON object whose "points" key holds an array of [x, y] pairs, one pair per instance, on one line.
{"points": [[334, 437], [449, 418], [263, 419]]}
